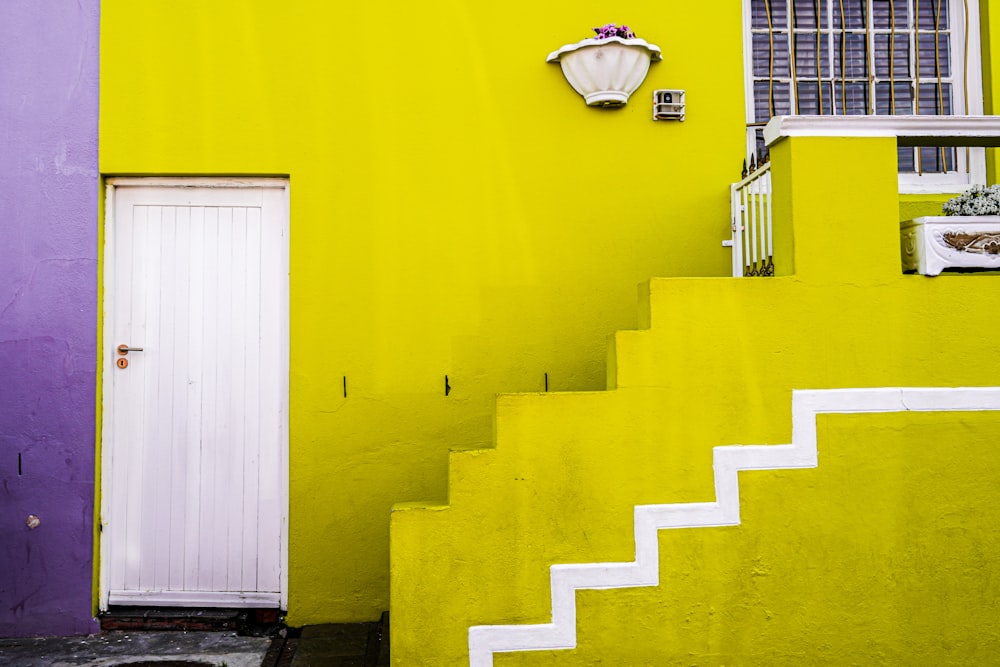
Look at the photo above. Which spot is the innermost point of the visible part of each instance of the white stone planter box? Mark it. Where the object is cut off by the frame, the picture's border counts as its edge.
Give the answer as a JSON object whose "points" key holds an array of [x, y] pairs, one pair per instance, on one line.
{"points": [[606, 71], [932, 244]]}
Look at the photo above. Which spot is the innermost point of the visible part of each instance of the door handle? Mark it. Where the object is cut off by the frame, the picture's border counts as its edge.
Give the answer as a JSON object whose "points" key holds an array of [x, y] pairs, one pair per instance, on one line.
{"points": [[124, 349]]}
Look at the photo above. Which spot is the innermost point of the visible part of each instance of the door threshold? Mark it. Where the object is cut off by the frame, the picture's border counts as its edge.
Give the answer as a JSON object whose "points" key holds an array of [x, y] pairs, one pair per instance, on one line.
{"points": [[243, 621]]}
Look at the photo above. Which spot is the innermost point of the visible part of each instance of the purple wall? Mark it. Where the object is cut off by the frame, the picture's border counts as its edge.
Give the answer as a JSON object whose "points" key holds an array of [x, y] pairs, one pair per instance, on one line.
{"points": [[48, 312]]}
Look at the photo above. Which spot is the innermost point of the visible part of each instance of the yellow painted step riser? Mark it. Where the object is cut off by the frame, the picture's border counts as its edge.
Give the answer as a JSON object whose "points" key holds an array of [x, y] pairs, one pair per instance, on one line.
{"points": [[548, 445], [791, 340]]}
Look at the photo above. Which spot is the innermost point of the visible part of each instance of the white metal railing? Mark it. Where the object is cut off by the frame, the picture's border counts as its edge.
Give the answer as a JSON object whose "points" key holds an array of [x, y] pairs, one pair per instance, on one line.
{"points": [[753, 247]]}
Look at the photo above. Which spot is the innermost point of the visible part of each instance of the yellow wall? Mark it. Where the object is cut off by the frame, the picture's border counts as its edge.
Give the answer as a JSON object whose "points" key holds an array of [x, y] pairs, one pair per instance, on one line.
{"points": [[885, 554], [455, 209], [832, 564], [914, 206]]}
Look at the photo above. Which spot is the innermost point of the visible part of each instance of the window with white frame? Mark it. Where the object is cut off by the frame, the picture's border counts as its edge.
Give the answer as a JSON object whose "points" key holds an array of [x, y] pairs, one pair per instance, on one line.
{"points": [[863, 57]]}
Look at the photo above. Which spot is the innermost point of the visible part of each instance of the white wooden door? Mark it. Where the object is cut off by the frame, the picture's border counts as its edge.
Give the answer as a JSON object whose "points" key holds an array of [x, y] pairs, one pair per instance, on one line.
{"points": [[194, 458]]}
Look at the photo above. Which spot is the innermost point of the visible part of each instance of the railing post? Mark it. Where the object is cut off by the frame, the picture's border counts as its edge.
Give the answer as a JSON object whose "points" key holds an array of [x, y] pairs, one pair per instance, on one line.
{"points": [[736, 216], [751, 214]]}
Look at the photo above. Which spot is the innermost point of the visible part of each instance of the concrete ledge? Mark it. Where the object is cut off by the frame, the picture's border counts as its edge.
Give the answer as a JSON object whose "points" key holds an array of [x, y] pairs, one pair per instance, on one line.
{"points": [[432, 505], [909, 130]]}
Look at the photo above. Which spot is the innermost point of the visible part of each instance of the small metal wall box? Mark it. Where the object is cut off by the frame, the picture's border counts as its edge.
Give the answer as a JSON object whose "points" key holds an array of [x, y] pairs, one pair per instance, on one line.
{"points": [[668, 105]]}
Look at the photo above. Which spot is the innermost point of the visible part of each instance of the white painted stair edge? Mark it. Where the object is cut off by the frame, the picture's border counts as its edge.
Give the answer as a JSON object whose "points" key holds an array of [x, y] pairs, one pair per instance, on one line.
{"points": [[485, 640]]}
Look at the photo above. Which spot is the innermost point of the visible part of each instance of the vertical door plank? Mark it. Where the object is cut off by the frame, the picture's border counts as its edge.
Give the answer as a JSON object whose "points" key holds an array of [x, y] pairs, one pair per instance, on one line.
{"points": [[160, 504], [238, 335], [123, 411], [194, 376], [210, 344], [222, 442], [149, 359], [251, 402], [269, 493], [178, 379], [135, 404]]}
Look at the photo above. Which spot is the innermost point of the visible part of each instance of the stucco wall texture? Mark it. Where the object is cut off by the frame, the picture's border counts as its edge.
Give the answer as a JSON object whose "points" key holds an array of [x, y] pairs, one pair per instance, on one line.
{"points": [[886, 551], [48, 313]]}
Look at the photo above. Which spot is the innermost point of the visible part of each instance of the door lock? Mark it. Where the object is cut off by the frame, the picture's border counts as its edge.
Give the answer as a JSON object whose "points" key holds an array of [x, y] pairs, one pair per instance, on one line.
{"points": [[122, 362]]}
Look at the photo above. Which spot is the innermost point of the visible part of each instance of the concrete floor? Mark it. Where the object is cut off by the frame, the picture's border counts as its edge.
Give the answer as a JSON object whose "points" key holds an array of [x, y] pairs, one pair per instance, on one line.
{"points": [[159, 648], [347, 645]]}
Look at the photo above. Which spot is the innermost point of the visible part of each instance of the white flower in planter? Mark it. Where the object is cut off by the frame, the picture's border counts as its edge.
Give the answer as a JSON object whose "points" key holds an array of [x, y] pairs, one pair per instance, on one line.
{"points": [[978, 200]]}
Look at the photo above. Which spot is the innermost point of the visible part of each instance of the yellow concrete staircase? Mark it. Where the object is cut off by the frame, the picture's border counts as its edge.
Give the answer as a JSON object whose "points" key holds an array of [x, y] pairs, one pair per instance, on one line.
{"points": [[551, 549]]}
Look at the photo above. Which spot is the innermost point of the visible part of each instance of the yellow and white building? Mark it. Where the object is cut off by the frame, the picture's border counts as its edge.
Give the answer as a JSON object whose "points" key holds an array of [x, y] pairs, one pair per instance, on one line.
{"points": [[785, 470]]}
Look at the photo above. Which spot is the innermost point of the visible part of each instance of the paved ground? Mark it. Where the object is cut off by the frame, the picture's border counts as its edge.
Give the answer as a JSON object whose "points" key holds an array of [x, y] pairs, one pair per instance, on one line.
{"points": [[159, 648], [348, 645]]}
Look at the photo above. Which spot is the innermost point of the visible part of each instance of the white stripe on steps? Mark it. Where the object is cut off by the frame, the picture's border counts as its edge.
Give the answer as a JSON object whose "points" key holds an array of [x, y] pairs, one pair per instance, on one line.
{"points": [[485, 640]]}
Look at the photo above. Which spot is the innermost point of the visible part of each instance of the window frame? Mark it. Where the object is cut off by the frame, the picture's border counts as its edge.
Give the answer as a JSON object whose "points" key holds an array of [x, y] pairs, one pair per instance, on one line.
{"points": [[967, 84]]}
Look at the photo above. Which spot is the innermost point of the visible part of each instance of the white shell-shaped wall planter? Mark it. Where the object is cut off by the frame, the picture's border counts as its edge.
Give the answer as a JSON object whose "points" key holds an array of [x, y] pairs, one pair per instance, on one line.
{"points": [[606, 71]]}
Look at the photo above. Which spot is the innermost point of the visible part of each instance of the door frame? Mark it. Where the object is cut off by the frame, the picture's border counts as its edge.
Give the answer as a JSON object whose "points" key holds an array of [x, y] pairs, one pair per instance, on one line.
{"points": [[106, 369]]}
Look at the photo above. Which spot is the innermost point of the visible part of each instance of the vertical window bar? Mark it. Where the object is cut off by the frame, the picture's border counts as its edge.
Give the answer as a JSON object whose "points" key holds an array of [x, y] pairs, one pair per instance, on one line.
{"points": [[892, 57], [832, 82], [770, 70], [965, 65], [916, 75], [965, 80], [843, 60], [819, 58], [937, 55], [916, 39], [792, 46], [937, 71], [870, 49]]}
